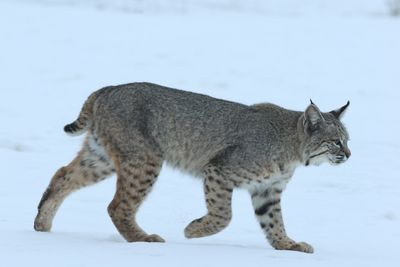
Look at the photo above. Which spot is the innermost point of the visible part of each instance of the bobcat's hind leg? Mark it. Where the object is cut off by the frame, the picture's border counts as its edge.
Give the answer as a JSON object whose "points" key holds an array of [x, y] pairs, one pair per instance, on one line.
{"points": [[218, 193], [90, 166], [135, 178]]}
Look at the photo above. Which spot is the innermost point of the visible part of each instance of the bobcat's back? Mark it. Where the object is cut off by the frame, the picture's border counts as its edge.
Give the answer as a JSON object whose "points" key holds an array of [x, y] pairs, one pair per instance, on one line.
{"points": [[189, 129]]}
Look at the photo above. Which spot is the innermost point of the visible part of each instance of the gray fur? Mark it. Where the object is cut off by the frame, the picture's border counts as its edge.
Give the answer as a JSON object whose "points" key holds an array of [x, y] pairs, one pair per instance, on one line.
{"points": [[135, 127]]}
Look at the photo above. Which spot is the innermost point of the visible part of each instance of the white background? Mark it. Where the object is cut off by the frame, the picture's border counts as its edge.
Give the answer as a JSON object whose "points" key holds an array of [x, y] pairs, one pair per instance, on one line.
{"points": [[53, 54]]}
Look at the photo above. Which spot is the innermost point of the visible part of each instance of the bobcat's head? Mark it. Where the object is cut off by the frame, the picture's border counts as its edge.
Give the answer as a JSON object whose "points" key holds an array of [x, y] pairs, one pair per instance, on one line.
{"points": [[325, 136]]}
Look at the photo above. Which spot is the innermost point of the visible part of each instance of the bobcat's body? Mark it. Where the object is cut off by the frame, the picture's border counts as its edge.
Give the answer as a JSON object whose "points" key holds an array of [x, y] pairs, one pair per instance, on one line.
{"points": [[133, 128]]}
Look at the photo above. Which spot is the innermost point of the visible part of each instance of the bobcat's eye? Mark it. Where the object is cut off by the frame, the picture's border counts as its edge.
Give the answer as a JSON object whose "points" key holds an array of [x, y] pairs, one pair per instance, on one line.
{"points": [[337, 142]]}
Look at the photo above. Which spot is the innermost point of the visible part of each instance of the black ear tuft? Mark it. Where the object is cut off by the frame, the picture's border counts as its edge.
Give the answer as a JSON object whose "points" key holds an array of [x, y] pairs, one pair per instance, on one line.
{"points": [[338, 113]]}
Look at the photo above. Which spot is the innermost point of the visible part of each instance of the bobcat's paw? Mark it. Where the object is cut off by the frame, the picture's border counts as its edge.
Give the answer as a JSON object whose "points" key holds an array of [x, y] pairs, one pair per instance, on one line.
{"points": [[142, 237], [195, 229], [291, 245], [153, 238], [202, 227], [41, 225]]}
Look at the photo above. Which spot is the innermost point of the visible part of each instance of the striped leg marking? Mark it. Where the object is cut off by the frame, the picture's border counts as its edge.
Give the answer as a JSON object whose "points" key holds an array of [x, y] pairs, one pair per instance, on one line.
{"points": [[267, 207]]}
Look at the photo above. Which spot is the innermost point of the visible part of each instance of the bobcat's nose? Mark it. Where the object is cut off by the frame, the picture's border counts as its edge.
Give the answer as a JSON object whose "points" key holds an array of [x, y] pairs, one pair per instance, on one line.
{"points": [[347, 152]]}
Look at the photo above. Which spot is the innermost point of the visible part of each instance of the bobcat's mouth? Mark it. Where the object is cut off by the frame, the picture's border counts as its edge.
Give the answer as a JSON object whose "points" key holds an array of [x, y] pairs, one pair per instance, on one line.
{"points": [[338, 159]]}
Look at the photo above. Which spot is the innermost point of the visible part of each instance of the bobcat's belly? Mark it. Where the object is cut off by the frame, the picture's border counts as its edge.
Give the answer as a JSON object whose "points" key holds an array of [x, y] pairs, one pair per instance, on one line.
{"points": [[188, 155], [276, 175], [186, 161]]}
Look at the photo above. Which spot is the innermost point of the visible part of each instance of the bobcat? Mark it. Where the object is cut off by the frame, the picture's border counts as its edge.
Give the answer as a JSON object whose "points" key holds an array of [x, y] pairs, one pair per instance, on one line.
{"points": [[133, 128]]}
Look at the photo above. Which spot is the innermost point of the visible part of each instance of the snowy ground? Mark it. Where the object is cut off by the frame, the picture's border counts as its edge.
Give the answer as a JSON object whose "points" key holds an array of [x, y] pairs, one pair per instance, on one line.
{"points": [[262, 7], [53, 57]]}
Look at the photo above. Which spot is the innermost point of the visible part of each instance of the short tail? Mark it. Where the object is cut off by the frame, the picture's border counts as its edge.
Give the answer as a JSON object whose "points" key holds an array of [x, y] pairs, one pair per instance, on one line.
{"points": [[82, 124]]}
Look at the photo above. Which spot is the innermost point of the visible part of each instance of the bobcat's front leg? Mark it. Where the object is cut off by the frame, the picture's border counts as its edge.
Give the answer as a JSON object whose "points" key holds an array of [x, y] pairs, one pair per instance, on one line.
{"points": [[267, 207], [218, 193]]}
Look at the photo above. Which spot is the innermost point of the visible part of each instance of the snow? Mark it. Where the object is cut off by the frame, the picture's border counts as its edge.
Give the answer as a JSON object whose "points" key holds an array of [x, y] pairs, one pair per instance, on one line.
{"points": [[53, 56], [269, 7]]}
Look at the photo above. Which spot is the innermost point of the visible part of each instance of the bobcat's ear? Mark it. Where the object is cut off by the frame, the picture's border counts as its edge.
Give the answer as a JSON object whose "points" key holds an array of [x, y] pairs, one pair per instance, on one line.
{"points": [[313, 118], [338, 113]]}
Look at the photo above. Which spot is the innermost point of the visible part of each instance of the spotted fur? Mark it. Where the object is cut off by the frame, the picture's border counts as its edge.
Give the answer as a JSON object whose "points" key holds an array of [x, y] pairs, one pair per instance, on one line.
{"points": [[132, 129]]}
